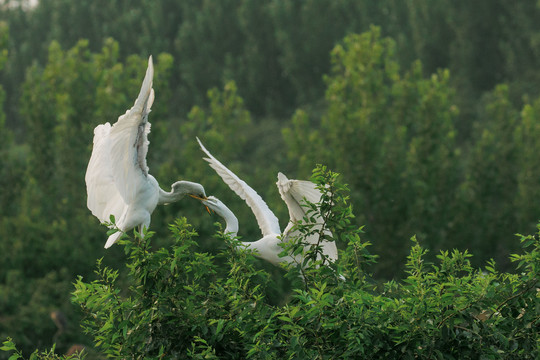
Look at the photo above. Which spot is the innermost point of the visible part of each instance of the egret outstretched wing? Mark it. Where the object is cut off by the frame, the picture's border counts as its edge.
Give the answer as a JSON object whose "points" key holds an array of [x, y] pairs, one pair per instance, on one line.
{"points": [[129, 142], [268, 222], [295, 193], [103, 196], [117, 178]]}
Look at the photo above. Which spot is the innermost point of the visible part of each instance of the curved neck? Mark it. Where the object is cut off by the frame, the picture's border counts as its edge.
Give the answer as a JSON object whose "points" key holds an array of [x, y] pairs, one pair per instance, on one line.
{"points": [[231, 222], [167, 197], [178, 190]]}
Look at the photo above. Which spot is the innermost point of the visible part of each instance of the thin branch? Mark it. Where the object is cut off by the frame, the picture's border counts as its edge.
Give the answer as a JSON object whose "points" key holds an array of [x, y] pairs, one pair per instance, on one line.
{"points": [[531, 285], [457, 312]]}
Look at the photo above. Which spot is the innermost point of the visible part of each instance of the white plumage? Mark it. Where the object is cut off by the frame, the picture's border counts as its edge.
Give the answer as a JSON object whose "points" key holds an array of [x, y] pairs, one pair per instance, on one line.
{"points": [[117, 178], [293, 192]]}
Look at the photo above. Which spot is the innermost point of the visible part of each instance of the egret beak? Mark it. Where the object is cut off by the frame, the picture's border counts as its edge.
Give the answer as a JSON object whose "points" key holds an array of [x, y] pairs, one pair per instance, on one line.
{"points": [[201, 199], [198, 197]]}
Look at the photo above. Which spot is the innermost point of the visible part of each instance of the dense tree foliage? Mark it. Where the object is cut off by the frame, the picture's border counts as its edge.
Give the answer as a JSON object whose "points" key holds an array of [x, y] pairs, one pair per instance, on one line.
{"points": [[392, 136], [183, 303], [429, 110]]}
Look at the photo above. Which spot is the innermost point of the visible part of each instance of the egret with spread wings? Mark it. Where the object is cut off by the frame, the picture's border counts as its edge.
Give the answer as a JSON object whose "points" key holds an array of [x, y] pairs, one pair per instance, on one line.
{"points": [[117, 178], [293, 192]]}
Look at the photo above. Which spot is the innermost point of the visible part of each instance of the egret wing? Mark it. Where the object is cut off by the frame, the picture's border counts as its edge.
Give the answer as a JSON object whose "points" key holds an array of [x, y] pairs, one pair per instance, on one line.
{"points": [[103, 196], [268, 222], [295, 193], [129, 142], [329, 247]]}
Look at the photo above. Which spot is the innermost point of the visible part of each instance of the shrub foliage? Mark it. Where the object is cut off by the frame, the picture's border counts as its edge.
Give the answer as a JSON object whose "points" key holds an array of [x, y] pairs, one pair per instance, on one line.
{"points": [[184, 303]]}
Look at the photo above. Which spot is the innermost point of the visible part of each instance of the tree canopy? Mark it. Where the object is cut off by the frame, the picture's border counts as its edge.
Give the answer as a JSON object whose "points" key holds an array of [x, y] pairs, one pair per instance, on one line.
{"points": [[428, 110]]}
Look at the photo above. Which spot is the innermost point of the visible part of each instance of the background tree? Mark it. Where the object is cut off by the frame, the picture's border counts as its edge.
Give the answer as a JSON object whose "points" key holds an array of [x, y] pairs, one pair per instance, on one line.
{"points": [[393, 136], [490, 183], [527, 194], [11, 171], [447, 155], [52, 236]]}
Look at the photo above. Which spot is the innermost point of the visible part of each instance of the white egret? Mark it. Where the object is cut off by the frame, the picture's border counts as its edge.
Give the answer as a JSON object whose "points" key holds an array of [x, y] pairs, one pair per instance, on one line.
{"points": [[117, 178], [293, 192]]}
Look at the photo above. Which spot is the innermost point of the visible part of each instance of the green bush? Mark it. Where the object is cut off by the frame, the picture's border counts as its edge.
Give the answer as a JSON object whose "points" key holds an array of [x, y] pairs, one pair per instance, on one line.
{"points": [[182, 303]]}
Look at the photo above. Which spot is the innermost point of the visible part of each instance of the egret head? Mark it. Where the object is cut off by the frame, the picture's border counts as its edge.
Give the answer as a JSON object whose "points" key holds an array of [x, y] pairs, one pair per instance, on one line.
{"points": [[212, 203], [190, 188]]}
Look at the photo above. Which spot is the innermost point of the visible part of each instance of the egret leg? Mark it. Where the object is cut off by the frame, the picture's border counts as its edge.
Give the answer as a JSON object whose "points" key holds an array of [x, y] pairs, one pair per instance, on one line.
{"points": [[112, 239], [144, 226], [141, 229]]}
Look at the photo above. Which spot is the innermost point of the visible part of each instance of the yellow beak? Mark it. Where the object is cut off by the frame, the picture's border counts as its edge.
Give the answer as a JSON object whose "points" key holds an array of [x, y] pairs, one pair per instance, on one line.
{"points": [[198, 197], [201, 198]]}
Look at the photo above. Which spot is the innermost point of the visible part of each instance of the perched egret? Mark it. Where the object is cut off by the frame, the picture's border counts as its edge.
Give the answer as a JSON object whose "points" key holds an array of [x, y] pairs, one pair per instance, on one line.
{"points": [[293, 192], [117, 178]]}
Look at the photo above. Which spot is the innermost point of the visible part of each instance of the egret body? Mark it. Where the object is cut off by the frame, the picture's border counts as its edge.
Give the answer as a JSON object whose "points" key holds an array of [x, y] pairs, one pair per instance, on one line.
{"points": [[293, 192], [117, 178]]}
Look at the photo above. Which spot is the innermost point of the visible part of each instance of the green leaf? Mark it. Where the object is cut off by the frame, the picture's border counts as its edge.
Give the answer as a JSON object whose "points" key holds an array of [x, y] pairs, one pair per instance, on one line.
{"points": [[220, 324]]}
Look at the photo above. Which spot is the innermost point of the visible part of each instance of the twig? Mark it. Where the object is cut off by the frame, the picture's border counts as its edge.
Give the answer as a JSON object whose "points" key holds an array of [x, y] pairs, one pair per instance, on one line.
{"points": [[532, 284], [455, 313]]}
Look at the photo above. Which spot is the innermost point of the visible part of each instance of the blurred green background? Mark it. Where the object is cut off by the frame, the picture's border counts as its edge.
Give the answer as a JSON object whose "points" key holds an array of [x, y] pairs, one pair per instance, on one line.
{"points": [[430, 110]]}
